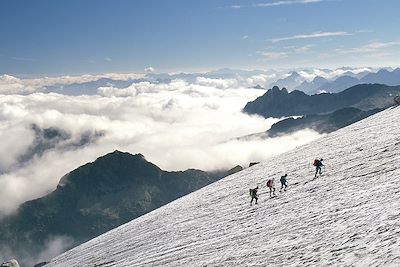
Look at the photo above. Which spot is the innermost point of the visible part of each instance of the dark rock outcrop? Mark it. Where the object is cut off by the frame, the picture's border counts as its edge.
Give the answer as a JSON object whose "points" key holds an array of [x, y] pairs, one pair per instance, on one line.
{"points": [[280, 103], [321, 123], [95, 198], [235, 169]]}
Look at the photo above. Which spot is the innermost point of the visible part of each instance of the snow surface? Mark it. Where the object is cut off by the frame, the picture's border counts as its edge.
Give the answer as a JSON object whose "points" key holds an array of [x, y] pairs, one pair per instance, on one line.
{"points": [[350, 216]]}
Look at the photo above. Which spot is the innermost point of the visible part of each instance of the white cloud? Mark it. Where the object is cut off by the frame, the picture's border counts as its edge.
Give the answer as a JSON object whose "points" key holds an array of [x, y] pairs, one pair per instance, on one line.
{"points": [[330, 74], [217, 83], [195, 125], [303, 49], [310, 36], [149, 70], [13, 85], [289, 51], [272, 55], [10, 138], [108, 59], [28, 59], [54, 246], [292, 2], [371, 47], [261, 79], [278, 3], [364, 31]]}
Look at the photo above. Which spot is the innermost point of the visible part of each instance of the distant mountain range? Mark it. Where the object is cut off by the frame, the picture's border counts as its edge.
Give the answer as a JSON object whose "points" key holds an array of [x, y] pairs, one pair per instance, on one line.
{"points": [[310, 81], [293, 80], [280, 103], [89, 88], [310, 87], [95, 198], [320, 84], [324, 80]]}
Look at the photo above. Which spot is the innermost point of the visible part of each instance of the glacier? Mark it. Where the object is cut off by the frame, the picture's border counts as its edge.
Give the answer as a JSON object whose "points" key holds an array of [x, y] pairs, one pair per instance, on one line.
{"points": [[349, 216]]}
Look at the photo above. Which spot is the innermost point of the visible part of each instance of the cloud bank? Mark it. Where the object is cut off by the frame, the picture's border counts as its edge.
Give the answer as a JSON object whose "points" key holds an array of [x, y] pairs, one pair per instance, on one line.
{"points": [[177, 124], [55, 245]]}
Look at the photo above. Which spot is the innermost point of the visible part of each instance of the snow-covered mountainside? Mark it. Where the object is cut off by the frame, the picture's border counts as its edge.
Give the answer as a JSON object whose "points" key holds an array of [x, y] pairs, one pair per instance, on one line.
{"points": [[350, 216]]}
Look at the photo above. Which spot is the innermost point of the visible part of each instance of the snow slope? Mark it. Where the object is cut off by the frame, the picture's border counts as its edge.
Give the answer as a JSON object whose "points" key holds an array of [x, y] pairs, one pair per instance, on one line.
{"points": [[350, 216]]}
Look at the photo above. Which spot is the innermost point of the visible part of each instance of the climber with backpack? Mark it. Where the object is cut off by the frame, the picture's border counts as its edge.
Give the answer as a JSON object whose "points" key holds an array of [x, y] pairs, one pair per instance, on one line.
{"points": [[283, 183], [254, 195], [318, 167], [271, 186]]}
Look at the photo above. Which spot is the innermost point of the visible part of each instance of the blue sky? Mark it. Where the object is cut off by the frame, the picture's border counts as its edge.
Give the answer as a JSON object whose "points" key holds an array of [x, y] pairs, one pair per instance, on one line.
{"points": [[52, 37]]}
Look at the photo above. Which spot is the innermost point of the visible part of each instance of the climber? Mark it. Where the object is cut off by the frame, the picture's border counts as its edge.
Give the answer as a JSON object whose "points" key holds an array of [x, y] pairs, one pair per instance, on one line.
{"points": [[271, 186], [283, 183], [318, 167], [253, 194]]}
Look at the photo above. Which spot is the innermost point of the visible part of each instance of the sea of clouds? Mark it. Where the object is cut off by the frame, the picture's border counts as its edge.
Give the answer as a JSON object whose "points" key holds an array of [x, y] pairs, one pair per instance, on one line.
{"points": [[175, 123]]}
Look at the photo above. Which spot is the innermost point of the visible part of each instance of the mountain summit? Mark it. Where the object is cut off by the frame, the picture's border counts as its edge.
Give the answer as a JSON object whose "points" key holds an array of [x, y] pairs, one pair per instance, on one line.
{"points": [[95, 198], [349, 216]]}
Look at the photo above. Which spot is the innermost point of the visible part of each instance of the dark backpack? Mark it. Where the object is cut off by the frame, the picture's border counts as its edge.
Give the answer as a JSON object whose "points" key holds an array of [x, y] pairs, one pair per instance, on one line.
{"points": [[316, 162], [253, 192]]}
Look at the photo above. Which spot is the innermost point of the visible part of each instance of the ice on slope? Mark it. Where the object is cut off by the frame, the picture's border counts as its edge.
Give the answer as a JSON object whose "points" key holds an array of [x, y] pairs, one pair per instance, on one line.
{"points": [[348, 217]]}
